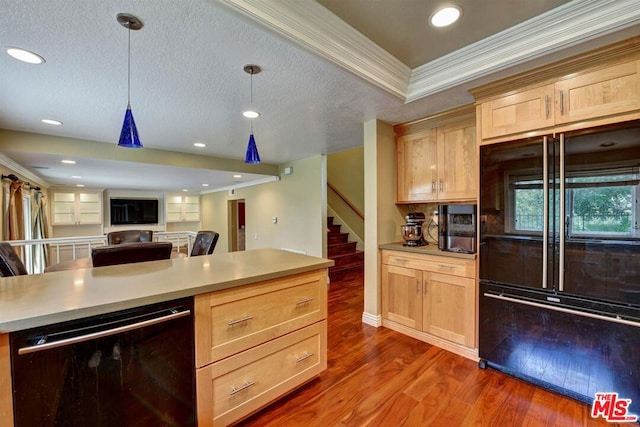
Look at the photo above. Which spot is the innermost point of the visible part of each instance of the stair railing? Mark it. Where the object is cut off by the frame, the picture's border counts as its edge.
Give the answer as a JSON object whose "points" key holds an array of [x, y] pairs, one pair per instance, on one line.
{"points": [[346, 201]]}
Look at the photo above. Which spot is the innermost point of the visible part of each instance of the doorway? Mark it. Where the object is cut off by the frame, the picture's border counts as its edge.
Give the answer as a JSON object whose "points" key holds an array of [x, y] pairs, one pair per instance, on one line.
{"points": [[236, 214]]}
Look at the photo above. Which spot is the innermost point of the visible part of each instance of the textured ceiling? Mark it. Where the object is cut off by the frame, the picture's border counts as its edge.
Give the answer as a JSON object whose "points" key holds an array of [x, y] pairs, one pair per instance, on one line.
{"points": [[188, 83]]}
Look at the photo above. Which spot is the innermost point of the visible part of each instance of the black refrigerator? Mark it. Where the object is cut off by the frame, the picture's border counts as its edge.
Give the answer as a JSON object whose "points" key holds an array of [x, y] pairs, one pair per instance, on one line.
{"points": [[559, 261]]}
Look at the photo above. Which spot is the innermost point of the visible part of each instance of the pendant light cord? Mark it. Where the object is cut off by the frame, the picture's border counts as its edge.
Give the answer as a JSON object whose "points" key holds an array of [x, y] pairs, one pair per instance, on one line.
{"points": [[129, 69], [251, 99]]}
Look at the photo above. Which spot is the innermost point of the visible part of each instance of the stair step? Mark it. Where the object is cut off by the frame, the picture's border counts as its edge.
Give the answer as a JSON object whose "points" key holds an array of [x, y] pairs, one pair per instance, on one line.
{"points": [[341, 248], [329, 220], [339, 273], [337, 238], [348, 258], [334, 228]]}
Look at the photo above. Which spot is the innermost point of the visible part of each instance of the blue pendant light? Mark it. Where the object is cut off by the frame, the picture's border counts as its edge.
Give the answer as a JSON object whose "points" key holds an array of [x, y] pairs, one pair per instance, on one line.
{"points": [[252, 155], [129, 133]]}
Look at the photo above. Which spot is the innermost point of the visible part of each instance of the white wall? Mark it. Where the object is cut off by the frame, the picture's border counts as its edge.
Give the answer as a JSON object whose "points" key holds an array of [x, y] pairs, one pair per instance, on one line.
{"points": [[298, 201]]}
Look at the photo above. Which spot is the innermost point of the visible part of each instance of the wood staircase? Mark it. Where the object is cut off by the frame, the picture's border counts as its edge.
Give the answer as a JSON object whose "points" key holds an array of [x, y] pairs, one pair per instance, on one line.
{"points": [[344, 253]]}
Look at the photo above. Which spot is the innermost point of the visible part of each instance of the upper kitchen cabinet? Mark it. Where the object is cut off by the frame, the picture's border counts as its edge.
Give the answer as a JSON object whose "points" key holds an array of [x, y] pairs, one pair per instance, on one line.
{"points": [[181, 208], [612, 90], [77, 207], [518, 112], [436, 158], [597, 88]]}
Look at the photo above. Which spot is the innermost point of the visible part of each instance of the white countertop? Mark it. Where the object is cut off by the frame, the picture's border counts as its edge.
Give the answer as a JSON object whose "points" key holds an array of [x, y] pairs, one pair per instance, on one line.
{"points": [[42, 299]]}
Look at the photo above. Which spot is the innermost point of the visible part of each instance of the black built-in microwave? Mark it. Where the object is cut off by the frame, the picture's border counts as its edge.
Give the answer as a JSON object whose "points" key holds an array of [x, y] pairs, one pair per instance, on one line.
{"points": [[457, 228]]}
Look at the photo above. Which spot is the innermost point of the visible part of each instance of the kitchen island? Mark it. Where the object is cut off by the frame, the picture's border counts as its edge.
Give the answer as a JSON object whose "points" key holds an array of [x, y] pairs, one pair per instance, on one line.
{"points": [[44, 299]]}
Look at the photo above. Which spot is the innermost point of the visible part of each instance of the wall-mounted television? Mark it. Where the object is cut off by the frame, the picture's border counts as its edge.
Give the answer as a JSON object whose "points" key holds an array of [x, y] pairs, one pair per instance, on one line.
{"points": [[133, 211]]}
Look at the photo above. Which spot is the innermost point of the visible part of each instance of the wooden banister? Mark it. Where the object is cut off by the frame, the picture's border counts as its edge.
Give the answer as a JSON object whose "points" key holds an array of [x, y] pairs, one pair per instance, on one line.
{"points": [[344, 199]]}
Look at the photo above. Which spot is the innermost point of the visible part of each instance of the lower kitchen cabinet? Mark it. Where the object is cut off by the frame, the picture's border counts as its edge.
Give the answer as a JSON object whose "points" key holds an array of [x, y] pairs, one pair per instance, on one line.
{"points": [[258, 342], [432, 298]]}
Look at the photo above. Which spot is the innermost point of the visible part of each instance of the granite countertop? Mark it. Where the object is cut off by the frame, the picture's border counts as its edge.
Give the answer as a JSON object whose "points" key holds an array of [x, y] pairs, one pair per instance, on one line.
{"points": [[42, 299], [430, 249]]}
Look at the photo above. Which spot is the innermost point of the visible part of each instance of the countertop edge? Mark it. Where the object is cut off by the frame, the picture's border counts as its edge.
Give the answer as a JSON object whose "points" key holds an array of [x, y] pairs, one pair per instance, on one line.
{"points": [[429, 249], [53, 316]]}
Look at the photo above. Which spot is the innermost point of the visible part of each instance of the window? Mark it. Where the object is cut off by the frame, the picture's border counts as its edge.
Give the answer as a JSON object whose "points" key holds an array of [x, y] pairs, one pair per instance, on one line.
{"points": [[598, 203]]}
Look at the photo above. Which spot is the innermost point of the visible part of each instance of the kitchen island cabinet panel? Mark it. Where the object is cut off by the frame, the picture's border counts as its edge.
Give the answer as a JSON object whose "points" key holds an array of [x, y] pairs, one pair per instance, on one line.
{"points": [[230, 321], [237, 386], [6, 390]]}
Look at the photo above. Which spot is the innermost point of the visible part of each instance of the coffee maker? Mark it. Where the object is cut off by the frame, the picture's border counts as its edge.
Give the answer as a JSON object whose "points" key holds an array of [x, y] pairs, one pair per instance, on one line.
{"points": [[412, 230]]}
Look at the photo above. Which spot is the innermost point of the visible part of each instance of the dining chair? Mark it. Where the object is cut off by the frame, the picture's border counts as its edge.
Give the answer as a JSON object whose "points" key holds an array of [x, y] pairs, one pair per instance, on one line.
{"points": [[129, 236], [130, 253], [10, 262], [204, 243]]}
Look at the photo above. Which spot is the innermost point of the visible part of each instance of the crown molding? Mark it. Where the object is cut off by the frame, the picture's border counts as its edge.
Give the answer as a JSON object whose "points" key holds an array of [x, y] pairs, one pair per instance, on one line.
{"points": [[317, 29], [542, 35], [20, 170], [311, 25]]}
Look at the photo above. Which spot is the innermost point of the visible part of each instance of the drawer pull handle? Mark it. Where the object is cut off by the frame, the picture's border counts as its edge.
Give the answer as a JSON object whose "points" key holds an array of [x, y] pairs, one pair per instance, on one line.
{"points": [[245, 386], [304, 301], [303, 358], [450, 267], [241, 320]]}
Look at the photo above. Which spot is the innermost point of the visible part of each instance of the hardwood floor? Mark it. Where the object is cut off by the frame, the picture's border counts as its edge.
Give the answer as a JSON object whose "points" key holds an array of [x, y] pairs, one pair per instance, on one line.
{"points": [[378, 377]]}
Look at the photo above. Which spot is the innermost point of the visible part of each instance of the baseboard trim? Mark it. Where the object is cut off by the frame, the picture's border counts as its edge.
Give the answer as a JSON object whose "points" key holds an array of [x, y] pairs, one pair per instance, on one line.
{"points": [[372, 319], [469, 353]]}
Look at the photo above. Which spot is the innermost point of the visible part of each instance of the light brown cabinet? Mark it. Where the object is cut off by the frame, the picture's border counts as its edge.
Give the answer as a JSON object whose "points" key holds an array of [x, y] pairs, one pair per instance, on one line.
{"points": [[518, 112], [258, 342], [609, 91], [432, 294], [598, 94], [437, 164]]}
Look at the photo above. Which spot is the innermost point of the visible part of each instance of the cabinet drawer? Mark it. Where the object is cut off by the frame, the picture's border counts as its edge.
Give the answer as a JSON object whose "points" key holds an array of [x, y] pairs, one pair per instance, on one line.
{"points": [[432, 263], [235, 387], [231, 321]]}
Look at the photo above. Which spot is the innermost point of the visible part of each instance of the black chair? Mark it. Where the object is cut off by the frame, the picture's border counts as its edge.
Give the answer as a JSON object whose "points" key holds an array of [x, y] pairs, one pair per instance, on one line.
{"points": [[130, 253], [10, 262], [205, 243], [129, 236]]}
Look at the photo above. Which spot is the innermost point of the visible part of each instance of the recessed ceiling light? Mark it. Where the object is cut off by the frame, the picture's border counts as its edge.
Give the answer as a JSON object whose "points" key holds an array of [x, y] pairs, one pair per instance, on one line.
{"points": [[51, 122], [76, 177], [25, 55], [79, 185], [205, 185], [199, 144], [185, 190], [445, 16], [237, 176], [68, 162], [250, 114]]}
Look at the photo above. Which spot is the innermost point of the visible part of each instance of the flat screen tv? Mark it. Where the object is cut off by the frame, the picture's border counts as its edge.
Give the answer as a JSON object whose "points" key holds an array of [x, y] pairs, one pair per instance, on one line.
{"points": [[134, 211]]}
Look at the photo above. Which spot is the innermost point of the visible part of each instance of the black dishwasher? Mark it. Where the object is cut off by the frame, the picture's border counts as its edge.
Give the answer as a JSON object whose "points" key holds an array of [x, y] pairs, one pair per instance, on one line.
{"points": [[134, 367]]}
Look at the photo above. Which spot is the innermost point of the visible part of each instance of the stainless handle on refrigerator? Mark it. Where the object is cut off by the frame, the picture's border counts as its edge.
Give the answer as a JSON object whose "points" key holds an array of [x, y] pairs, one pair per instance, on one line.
{"points": [[563, 219], [563, 310], [101, 334], [545, 209]]}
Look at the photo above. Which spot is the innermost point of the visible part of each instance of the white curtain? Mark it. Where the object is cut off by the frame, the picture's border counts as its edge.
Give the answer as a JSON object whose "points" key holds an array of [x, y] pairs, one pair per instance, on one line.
{"points": [[39, 253]]}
